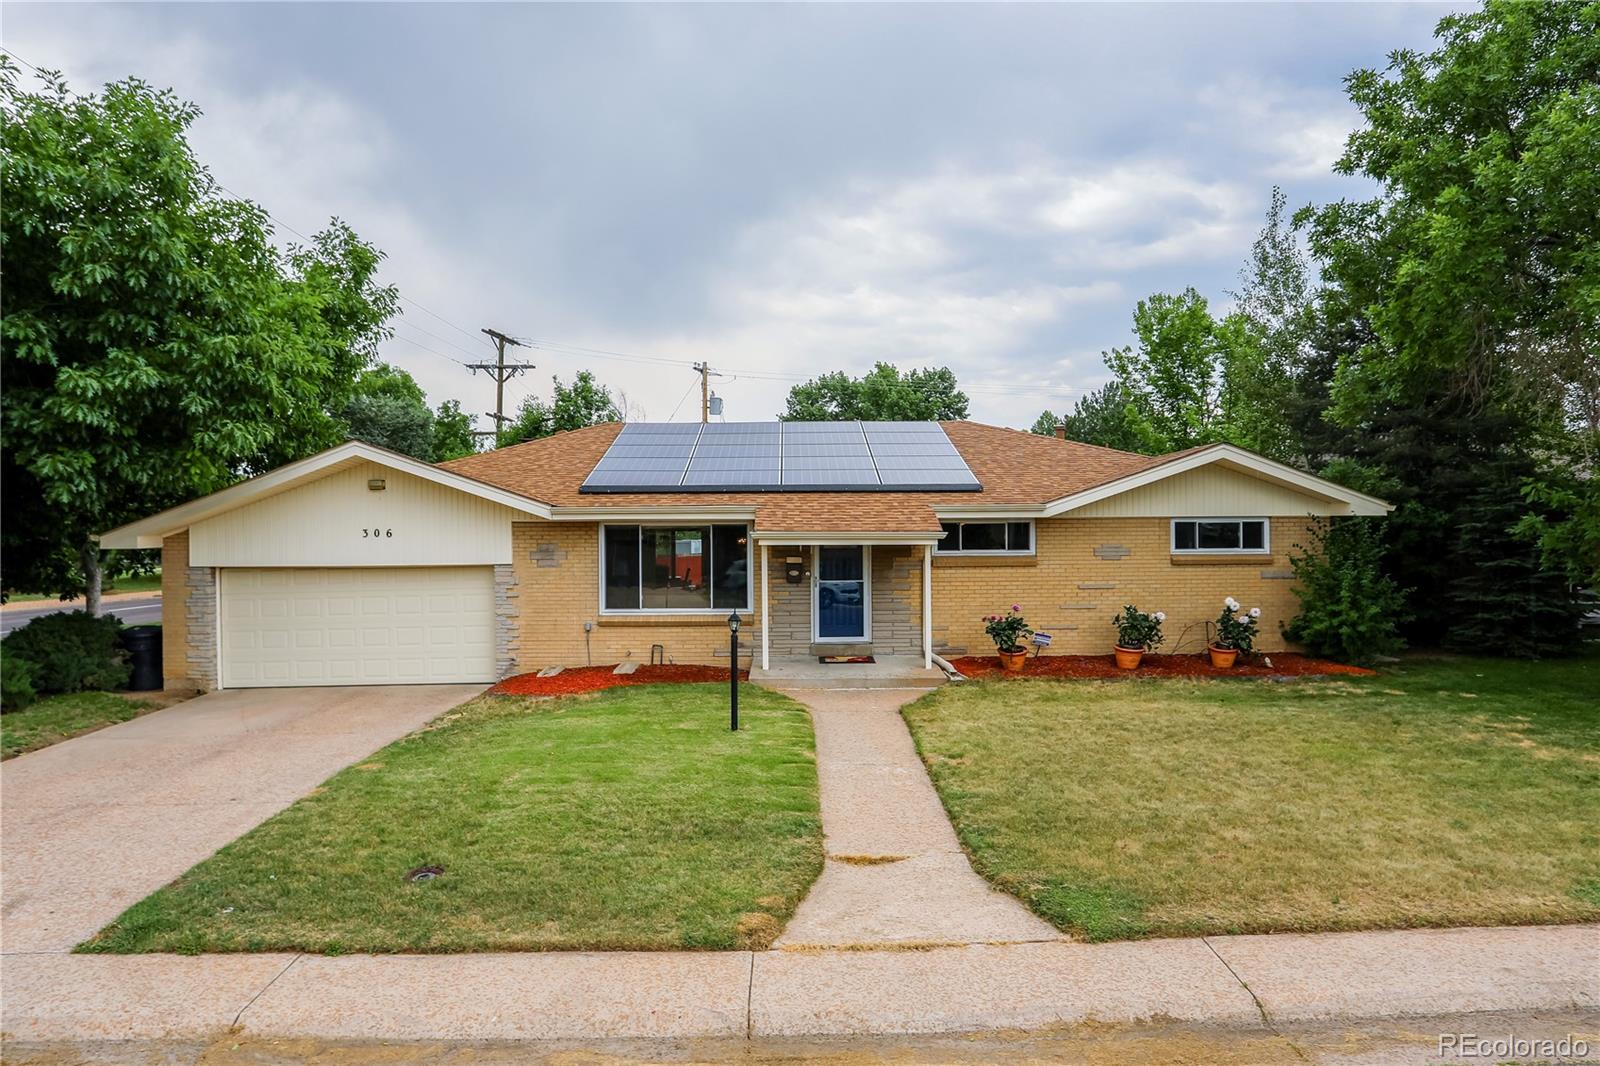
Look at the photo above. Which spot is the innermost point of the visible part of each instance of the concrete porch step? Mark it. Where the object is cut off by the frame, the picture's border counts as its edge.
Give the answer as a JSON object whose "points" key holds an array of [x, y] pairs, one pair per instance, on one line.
{"points": [[890, 671]]}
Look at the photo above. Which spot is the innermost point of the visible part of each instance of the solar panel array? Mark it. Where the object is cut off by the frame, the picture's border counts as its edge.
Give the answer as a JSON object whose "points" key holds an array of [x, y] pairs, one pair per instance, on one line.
{"points": [[781, 457]]}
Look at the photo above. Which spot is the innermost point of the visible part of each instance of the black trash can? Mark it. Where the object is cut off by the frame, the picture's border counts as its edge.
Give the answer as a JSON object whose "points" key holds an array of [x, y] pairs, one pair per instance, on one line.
{"points": [[144, 649]]}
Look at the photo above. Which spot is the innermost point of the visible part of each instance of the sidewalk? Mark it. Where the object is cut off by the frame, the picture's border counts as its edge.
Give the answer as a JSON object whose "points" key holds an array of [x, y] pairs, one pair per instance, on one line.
{"points": [[895, 872], [1246, 981]]}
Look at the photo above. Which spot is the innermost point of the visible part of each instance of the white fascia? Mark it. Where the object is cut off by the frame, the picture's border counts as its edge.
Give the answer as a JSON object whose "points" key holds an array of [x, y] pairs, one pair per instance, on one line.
{"points": [[149, 532]]}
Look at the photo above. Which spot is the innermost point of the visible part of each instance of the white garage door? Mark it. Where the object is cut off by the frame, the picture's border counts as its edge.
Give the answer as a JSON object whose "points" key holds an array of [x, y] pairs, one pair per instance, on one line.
{"points": [[357, 626]]}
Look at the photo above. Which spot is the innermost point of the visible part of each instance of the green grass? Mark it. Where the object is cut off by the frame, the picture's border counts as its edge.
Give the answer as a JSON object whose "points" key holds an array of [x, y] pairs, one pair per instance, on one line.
{"points": [[628, 819], [1441, 793], [57, 718], [125, 583]]}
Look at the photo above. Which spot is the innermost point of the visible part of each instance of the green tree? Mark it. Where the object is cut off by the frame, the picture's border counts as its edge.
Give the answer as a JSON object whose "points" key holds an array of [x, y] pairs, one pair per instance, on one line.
{"points": [[157, 346], [1479, 259], [583, 403], [882, 395], [453, 432], [1099, 417], [388, 408], [1173, 376], [1461, 308]]}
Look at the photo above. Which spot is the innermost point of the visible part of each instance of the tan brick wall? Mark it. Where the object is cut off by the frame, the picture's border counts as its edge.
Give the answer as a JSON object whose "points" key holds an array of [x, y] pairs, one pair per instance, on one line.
{"points": [[174, 614], [1084, 571], [1087, 568]]}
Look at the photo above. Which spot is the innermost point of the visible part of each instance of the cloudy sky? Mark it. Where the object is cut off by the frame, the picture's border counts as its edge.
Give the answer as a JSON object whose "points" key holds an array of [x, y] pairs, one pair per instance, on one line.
{"points": [[779, 190]]}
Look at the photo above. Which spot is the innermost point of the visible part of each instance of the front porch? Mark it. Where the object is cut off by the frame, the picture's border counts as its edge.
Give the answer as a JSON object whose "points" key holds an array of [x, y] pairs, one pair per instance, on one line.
{"points": [[886, 671], [844, 593]]}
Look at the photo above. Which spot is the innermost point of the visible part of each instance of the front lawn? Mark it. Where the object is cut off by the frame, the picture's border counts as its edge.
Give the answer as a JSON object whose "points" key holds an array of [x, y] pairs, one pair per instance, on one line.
{"points": [[1440, 793], [628, 819], [57, 718]]}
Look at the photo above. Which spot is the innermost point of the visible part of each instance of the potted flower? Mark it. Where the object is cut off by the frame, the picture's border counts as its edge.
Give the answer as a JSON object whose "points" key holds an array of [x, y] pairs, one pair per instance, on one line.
{"points": [[1137, 633], [1008, 631], [1236, 633]]}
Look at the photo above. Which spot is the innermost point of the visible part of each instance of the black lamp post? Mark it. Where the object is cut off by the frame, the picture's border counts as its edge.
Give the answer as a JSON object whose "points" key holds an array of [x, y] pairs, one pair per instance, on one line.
{"points": [[733, 669]]}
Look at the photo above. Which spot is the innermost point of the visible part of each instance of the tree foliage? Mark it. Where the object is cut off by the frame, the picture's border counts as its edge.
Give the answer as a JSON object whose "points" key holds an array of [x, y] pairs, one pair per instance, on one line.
{"points": [[1100, 417], [585, 402], [1350, 610], [388, 408], [157, 346], [882, 395], [453, 432]]}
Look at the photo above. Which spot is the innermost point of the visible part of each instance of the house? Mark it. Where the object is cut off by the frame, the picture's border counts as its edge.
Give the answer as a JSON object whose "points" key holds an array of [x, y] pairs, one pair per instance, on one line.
{"points": [[364, 566]]}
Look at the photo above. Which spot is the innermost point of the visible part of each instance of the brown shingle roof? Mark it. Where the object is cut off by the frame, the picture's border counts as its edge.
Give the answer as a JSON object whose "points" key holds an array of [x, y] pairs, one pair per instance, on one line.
{"points": [[1014, 467]]}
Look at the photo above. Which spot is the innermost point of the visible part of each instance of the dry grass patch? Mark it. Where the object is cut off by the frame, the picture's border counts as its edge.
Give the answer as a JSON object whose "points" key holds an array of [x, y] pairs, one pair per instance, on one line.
{"points": [[1453, 792], [628, 819]]}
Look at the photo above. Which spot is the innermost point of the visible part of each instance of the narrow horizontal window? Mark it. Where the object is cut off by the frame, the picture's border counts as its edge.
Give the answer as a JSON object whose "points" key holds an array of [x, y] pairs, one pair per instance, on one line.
{"points": [[1219, 535], [986, 538]]}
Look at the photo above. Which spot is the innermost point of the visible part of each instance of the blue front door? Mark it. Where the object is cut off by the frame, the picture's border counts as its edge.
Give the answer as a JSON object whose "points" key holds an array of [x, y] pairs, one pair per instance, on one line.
{"points": [[841, 593]]}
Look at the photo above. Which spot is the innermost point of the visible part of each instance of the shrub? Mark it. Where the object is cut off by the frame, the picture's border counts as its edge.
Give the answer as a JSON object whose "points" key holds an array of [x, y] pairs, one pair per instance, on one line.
{"points": [[71, 652], [1236, 627], [1137, 630], [1349, 610], [16, 684], [1008, 631]]}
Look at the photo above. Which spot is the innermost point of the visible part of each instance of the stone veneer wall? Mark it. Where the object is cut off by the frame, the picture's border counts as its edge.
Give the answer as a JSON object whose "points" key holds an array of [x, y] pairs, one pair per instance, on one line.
{"points": [[507, 611], [200, 618], [1084, 571]]}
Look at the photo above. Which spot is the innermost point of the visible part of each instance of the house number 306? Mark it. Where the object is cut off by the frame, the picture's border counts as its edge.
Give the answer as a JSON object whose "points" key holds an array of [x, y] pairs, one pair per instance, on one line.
{"points": [[377, 532]]}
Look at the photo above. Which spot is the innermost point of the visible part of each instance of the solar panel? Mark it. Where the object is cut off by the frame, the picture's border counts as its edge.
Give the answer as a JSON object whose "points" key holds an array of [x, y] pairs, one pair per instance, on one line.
{"points": [[781, 456]]}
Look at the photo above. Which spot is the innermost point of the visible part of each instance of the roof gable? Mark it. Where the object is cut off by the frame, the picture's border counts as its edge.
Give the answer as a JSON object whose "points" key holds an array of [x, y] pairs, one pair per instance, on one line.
{"points": [[149, 532]]}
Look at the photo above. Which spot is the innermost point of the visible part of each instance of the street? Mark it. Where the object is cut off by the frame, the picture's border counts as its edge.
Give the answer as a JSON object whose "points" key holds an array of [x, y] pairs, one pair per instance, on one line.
{"points": [[133, 611]]}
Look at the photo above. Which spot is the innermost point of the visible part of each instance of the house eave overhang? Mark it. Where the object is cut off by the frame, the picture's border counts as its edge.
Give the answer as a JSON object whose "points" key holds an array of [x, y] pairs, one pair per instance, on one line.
{"points": [[835, 536], [676, 512], [1225, 454], [150, 532]]}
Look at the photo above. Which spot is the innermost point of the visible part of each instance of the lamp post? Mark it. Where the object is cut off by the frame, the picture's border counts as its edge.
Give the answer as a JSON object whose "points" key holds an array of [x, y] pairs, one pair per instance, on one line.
{"points": [[733, 670]]}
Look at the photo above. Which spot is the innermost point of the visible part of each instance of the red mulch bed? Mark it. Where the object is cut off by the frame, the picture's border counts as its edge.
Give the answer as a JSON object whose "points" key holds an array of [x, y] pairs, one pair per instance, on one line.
{"points": [[594, 678], [1284, 664]]}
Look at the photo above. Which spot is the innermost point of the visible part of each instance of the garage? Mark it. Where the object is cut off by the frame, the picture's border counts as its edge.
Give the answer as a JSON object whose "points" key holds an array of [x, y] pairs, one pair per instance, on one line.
{"points": [[356, 625]]}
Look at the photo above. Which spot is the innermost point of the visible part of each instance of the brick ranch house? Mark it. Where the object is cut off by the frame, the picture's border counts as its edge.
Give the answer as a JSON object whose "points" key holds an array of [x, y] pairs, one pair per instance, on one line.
{"points": [[364, 566]]}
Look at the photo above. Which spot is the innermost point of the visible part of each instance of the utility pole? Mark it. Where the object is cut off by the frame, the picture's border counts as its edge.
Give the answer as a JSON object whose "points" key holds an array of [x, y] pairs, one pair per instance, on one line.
{"points": [[502, 372], [706, 374]]}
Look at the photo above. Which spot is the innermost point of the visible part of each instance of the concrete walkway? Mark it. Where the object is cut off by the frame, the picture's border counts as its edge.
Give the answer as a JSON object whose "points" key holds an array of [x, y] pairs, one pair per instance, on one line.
{"points": [[1259, 983], [895, 872], [90, 826]]}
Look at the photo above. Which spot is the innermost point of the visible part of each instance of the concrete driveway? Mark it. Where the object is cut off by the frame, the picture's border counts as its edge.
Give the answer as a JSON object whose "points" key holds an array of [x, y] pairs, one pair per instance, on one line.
{"points": [[92, 825]]}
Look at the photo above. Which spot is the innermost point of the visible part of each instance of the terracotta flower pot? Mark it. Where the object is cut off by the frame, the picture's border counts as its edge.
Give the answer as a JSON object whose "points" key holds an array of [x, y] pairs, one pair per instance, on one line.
{"points": [[1222, 658], [1128, 658], [1013, 660]]}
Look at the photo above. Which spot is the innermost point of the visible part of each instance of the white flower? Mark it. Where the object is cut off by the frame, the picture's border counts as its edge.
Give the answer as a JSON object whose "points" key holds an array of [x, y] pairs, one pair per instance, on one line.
{"points": [[1161, 616], [1231, 604], [1255, 612], [1241, 619]]}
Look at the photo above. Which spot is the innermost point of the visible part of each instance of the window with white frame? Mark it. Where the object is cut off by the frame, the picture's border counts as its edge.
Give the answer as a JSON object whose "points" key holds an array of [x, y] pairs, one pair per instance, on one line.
{"points": [[986, 538], [674, 568], [1219, 535]]}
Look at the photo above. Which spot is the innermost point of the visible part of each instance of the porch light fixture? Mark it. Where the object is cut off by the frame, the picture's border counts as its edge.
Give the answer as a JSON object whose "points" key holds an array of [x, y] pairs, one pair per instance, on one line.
{"points": [[376, 484], [733, 671]]}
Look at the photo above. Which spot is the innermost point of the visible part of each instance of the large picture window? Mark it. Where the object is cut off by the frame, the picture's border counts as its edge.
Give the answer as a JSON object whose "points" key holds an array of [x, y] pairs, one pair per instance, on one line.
{"points": [[987, 538], [1219, 535], [675, 568]]}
